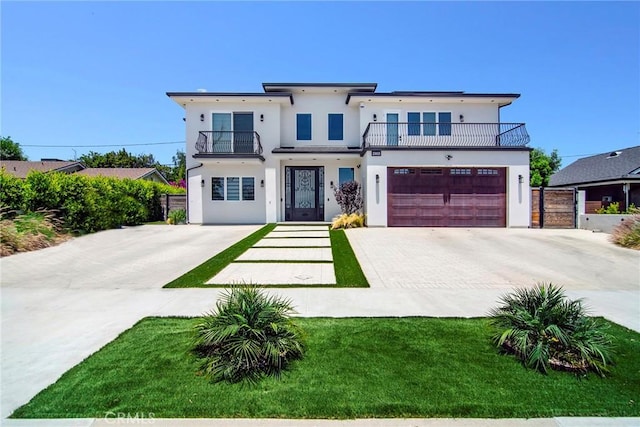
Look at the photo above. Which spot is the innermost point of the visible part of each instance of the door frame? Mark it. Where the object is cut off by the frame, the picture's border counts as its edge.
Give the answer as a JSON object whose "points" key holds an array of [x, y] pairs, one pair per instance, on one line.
{"points": [[289, 214]]}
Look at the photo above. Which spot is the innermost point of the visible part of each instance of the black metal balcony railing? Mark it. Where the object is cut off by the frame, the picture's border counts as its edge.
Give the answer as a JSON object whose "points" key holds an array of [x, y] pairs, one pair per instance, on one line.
{"points": [[416, 135], [229, 142]]}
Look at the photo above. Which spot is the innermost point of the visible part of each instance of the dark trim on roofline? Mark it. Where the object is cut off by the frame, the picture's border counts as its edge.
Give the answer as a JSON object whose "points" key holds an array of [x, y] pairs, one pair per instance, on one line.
{"points": [[232, 94], [433, 95], [443, 148], [228, 156], [371, 86], [320, 150]]}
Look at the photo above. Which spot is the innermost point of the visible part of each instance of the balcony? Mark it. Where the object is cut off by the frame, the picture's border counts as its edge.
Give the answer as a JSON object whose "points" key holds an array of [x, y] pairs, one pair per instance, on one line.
{"points": [[228, 144], [435, 135]]}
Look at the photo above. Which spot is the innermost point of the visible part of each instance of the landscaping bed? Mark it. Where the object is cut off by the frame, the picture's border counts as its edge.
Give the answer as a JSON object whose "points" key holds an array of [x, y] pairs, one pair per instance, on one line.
{"points": [[353, 368]]}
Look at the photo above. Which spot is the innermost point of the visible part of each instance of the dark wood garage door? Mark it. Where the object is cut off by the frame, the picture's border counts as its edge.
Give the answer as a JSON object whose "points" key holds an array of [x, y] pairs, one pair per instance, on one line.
{"points": [[446, 197]]}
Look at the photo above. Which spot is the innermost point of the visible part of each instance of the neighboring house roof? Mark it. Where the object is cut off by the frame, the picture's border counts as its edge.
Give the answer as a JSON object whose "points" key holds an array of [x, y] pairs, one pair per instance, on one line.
{"points": [[130, 173], [614, 165], [20, 168]]}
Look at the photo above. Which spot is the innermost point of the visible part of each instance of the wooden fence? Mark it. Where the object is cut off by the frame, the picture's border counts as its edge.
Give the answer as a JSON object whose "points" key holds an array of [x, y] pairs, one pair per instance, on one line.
{"points": [[553, 208], [171, 202]]}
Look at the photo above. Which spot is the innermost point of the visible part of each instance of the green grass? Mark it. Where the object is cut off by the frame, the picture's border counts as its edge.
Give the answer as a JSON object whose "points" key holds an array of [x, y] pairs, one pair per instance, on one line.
{"points": [[356, 367], [197, 277], [345, 263], [346, 266]]}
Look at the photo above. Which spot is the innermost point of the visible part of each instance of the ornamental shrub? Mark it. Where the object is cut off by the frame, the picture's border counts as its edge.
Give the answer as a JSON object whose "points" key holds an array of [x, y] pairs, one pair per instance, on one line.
{"points": [[544, 329], [348, 221], [627, 233], [248, 336], [349, 197]]}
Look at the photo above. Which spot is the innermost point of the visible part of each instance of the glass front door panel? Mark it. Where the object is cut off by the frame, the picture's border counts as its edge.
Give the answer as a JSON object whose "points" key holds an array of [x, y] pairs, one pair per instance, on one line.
{"points": [[305, 190]]}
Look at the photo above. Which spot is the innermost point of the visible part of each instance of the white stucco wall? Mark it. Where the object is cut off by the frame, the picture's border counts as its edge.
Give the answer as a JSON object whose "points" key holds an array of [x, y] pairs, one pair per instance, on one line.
{"points": [[516, 162], [231, 211], [320, 105]]}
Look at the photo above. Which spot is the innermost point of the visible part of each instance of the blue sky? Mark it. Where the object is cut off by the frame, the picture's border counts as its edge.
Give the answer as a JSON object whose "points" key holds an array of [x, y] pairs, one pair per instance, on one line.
{"points": [[96, 73]]}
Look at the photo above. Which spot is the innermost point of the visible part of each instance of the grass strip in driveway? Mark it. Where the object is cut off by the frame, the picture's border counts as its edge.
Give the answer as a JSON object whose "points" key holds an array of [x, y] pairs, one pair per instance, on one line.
{"points": [[354, 368], [197, 277], [345, 263]]}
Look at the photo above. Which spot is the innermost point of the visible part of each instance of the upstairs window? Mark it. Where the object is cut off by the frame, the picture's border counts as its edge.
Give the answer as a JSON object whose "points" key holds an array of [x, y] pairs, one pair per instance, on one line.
{"points": [[429, 120], [303, 127], [444, 123], [336, 126], [414, 123]]}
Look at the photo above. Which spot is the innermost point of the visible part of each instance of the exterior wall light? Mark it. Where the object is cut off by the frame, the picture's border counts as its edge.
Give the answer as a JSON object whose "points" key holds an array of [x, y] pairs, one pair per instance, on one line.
{"points": [[262, 183], [461, 118], [520, 179], [262, 117], [202, 117], [375, 117], [448, 157], [202, 183], [331, 184], [377, 179]]}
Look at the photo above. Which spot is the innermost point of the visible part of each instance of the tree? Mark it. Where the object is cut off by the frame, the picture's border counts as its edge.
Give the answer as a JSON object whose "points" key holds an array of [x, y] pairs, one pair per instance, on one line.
{"points": [[542, 166], [10, 150], [179, 166], [119, 159]]}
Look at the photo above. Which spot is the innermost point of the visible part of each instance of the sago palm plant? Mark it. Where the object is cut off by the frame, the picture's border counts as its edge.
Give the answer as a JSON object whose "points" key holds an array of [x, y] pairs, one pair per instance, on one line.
{"points": [[545, 329], [248, 336]]}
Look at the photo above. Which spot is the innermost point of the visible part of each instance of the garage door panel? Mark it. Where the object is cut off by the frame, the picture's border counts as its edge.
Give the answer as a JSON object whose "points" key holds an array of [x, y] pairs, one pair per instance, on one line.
{"points": [[447, 197]]}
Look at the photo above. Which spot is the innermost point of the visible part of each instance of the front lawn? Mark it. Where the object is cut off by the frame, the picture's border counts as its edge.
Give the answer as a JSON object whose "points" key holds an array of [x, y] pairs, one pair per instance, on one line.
{"points": [[354, 368]]}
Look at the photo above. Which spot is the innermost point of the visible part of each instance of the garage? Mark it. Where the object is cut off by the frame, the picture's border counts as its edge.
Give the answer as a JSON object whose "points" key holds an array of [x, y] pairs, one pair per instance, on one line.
{"points": [[446, 197]]}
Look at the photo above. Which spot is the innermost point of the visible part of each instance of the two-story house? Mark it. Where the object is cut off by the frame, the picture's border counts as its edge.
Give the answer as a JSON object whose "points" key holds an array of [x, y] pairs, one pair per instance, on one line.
{"points": [[423, 158]]}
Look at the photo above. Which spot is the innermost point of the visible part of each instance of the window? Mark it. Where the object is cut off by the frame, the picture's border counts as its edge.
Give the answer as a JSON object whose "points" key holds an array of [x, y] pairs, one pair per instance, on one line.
{"points": [[217, 188], [414, 123], [233, 191], [303, 127], [487, 172], [429, 120], [233, 188], [345, 175], [460, 172], [248, 188], [404, 171], [336, 127], [444, 123]]}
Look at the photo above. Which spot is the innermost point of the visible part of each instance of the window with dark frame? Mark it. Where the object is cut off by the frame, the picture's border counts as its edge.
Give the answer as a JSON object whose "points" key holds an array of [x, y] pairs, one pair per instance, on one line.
{"points": [[336, 127], [303, 127]]}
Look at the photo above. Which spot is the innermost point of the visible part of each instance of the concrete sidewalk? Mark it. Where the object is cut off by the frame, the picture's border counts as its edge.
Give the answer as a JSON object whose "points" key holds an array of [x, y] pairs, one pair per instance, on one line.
{"points": [[111, 420], [61, 304]]}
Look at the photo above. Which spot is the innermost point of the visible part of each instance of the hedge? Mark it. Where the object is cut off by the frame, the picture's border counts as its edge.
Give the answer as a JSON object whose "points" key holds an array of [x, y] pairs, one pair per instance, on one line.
{"points": [[85, 204]]}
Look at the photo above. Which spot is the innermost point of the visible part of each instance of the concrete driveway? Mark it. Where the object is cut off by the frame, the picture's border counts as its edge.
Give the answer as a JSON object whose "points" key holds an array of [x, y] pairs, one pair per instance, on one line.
{"points": [[61, 304], [458, 258]]}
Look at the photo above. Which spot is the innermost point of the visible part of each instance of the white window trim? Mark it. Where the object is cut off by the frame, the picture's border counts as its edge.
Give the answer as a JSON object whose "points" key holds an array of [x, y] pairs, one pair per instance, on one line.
{"points": [[225, 192]]}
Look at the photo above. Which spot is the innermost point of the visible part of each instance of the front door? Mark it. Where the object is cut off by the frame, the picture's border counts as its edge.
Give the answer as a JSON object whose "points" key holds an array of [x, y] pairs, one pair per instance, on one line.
{"points": [[304, 193]]}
